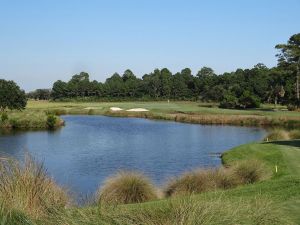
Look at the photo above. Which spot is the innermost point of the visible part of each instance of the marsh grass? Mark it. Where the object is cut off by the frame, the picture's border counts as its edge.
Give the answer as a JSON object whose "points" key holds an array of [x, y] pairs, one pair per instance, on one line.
{"points": [[278, 135], [127, 187], [25, 187]]}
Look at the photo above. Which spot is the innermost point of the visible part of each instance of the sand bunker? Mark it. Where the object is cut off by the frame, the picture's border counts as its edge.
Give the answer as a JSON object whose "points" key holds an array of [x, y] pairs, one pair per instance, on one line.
{"points": [[115, 109], [137, 110], [89, 108]]}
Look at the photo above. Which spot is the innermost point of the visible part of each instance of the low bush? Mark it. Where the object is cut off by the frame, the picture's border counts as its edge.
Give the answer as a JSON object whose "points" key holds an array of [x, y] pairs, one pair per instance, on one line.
{"points": [[248, 100], [229, 102], [292, 107], [4, 116], [249, 171], [127, 187], [25, 187], [51, 121]]}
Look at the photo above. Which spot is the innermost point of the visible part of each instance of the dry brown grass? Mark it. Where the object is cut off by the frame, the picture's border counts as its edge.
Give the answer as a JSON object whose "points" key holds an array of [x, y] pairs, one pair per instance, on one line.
{"points": [[278, 135], [249, 171], [294, 134], [223, 178], [193, 182], [26, 187], [127, 187]]}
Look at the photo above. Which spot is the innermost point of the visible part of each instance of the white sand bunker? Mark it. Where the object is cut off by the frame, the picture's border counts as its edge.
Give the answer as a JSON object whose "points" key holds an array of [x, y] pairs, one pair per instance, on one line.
{"points": [[89, 108], [137, 110], [115, 109]]}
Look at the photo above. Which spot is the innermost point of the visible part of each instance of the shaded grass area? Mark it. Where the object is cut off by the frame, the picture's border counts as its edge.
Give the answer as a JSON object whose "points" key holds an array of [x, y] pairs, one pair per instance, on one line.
{"points": [[188, 112]]}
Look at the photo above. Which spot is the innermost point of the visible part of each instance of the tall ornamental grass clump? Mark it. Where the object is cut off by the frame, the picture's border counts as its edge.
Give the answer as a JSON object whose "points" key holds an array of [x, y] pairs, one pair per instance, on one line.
{"points": [[193, 182], [203, 180], [249, 171], [127, 187], [25, 187]]}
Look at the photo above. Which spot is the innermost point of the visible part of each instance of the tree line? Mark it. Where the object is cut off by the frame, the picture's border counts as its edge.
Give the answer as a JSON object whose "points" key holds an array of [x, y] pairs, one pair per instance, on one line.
{"points": [[239, 89], [243, 88]]}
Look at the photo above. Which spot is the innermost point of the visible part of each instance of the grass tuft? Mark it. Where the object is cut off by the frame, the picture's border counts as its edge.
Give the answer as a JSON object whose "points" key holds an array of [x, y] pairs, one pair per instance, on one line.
{"points": [[249, 171], [127, 187], [26, 188], [193, 182]]}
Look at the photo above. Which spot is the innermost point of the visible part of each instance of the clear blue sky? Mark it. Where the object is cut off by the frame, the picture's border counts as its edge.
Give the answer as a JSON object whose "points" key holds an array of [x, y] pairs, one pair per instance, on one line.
{"points": [[43, 41]]}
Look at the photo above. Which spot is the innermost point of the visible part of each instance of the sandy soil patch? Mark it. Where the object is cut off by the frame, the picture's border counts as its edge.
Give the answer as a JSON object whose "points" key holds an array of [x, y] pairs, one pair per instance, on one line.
{"points": [[137, 110], [115, 109]]}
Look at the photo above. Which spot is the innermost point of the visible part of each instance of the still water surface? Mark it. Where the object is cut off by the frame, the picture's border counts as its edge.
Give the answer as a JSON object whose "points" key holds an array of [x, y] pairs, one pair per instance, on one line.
{"points": [[90, 148]]}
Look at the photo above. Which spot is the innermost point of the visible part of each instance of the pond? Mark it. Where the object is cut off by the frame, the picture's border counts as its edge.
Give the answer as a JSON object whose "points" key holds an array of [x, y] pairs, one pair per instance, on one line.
{"points": [[91, 148]]}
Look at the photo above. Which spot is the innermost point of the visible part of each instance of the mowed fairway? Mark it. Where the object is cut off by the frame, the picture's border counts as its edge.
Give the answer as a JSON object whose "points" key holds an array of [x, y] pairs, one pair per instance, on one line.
{"points": [[284, 187], [160, 107]]}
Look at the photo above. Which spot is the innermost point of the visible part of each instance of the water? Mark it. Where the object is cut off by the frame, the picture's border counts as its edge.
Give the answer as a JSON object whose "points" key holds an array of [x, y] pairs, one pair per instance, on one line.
{"points": [[90, 148]]}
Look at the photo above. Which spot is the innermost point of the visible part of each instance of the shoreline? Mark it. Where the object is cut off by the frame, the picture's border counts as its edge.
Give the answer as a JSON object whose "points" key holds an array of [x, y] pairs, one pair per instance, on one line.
{"points": [[35, 115]]}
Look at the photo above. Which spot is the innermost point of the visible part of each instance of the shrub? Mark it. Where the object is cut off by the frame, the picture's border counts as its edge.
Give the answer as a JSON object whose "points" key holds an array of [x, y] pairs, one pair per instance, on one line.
{"points": [[51, 120], [294, 134], [248, 171], [193, 182], [4, 116], [292, 107], [26, 188], [248, 100], [277, 135], [127, 187], [229, 102], [14, 123]]}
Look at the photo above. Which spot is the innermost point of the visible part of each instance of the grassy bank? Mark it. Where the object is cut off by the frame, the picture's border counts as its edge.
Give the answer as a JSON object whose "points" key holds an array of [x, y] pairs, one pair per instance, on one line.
{"points": [[189, 112], [30, 119], [272, 201]]}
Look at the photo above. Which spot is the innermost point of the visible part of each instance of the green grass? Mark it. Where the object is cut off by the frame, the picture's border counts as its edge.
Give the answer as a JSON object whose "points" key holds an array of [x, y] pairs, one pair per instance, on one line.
{"points": [[190, 112], [275, 200], [279, 195], [282, 190]]}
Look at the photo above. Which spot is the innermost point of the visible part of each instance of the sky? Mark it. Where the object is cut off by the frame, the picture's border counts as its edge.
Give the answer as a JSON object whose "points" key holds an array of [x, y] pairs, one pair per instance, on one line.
{"points": [[44, 41]]}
